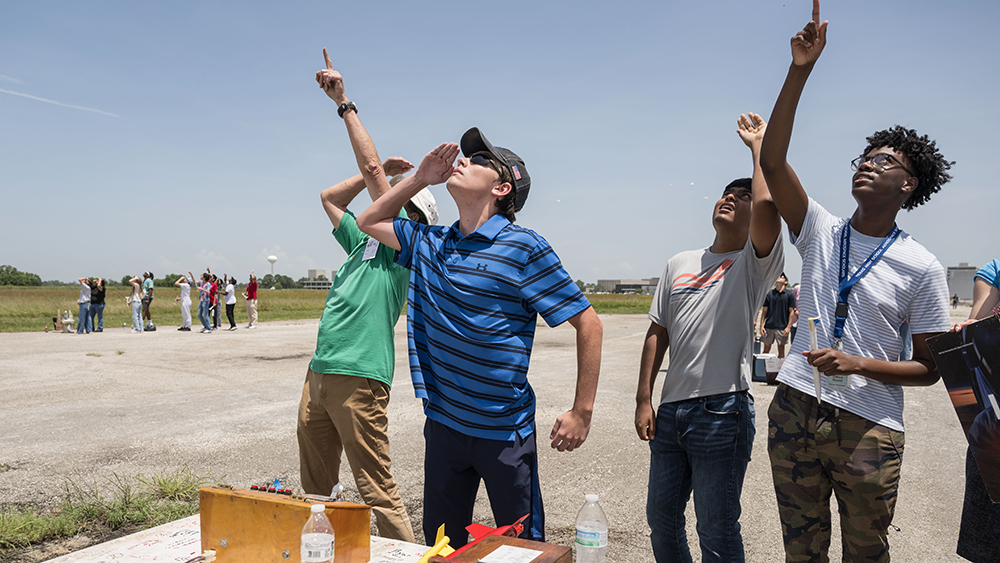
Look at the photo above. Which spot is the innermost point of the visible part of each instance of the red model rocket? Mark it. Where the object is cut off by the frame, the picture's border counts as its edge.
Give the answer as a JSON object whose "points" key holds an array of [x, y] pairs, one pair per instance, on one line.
{"points": [[479, 532]]}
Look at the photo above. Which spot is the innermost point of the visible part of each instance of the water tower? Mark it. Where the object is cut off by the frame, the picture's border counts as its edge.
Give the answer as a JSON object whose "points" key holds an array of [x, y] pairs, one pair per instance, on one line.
{"points": [[272, 259]]}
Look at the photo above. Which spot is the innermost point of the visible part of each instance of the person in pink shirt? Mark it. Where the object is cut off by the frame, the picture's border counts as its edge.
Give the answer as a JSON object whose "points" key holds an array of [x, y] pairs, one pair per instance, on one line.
{"points": [[251, 297]]}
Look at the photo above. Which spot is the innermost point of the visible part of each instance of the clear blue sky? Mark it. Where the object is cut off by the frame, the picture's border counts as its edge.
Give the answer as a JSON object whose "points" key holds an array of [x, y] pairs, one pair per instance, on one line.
{"points": [[175, 136]]}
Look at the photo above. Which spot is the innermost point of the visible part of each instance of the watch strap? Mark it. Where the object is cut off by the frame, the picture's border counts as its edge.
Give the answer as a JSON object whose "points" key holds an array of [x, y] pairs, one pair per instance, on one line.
{"points": [[346, 106]]}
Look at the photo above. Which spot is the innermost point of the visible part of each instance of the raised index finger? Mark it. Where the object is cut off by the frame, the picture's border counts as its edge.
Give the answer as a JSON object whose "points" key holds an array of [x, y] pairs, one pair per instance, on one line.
{"points": [[815, 15], [329, 65]]}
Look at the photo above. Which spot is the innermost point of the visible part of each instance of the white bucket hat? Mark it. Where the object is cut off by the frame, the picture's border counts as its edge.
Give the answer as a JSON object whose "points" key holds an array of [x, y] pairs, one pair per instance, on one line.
{"points": [[423, 201]]}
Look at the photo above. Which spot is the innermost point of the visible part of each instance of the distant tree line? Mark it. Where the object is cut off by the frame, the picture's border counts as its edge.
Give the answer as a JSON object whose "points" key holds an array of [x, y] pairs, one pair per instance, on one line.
{"points": [[9, 275], [278, 281]]}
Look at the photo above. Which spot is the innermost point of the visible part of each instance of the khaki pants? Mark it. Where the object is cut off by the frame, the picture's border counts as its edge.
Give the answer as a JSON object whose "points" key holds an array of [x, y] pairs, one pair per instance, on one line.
{"points": [[252, 312], [343, 413], [817, 450]]}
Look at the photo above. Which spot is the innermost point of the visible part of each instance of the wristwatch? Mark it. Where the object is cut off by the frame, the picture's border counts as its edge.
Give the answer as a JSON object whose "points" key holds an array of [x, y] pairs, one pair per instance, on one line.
{"points": [[346, 106]]}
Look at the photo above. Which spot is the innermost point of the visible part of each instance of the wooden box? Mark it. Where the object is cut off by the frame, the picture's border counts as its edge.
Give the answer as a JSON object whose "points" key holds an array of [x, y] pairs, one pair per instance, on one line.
{"points": [[244, 526], [550, 553]]}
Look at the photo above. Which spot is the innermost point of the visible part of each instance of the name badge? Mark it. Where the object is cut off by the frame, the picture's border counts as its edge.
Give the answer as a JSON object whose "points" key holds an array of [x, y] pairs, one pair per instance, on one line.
{"points": [[839, 382], [370, 249]]}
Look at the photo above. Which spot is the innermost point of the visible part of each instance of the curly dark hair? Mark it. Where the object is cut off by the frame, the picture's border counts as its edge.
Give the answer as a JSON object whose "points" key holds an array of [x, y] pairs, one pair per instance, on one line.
{"points": [[927, 162], [506, 203]]}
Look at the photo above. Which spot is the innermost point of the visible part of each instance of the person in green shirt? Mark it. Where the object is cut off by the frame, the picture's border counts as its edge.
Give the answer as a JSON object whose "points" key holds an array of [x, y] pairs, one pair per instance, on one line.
{"points": [[346, 391]]}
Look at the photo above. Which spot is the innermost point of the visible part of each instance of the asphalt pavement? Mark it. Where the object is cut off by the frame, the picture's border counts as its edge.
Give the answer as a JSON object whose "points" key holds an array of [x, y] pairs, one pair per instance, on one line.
{"points": [[85, 407]]}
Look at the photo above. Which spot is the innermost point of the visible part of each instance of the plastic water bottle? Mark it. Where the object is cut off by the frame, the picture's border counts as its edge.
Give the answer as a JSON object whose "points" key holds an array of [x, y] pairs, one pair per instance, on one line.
{"points": [[317, 537], [591, 532]]}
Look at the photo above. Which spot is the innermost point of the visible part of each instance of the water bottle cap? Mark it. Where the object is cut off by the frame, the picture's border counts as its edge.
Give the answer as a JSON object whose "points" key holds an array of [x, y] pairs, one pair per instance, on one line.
{"points": [[317, 508], [591, 498]]}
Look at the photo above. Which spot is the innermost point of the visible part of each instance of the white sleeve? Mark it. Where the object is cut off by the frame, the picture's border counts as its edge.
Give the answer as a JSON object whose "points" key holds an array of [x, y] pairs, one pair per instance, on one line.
{"points": [[767, 267], [659, 309], [928, 312], [816, 217]]}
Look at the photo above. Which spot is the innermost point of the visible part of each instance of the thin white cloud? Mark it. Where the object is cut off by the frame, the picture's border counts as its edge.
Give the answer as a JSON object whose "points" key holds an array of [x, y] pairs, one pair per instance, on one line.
{"points": [[29, 96], [5, 78]]}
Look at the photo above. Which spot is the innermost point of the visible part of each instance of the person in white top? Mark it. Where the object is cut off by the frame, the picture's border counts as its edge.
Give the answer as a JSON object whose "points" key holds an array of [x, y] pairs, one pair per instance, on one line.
{"points": [[231, 303], [135, 301], [839, 428], [185, 298], [83, 321]]}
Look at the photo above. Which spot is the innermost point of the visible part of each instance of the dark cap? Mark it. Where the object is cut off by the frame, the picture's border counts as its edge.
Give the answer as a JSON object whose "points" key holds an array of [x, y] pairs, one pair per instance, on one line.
{"points": [[474, 141]]}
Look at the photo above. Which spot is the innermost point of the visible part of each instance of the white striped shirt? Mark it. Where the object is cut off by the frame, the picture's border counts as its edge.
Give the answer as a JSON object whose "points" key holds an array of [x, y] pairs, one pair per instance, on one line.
{"points": [[907, 283]]}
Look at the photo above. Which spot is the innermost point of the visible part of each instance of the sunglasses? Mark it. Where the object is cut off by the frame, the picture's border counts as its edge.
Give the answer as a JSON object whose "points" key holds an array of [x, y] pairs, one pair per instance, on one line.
{"points": [[484, 159]]}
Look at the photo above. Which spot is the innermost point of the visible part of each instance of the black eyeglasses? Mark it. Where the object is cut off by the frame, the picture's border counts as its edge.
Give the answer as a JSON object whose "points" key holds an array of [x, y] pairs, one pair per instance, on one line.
{"points": [[880, 162]]}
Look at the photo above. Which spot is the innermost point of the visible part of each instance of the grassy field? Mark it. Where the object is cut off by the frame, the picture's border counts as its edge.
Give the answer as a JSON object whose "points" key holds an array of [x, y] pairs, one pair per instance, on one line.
{"points": [[26, 309]]}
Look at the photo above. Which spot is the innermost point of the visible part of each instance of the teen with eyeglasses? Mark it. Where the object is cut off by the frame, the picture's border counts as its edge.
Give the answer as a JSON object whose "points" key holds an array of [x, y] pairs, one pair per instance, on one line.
{"points": [[863, 277]]}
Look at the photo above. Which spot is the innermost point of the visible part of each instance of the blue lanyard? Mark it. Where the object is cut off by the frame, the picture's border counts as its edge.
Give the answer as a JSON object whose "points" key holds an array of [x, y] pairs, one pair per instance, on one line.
{"points": [[847, 282]]}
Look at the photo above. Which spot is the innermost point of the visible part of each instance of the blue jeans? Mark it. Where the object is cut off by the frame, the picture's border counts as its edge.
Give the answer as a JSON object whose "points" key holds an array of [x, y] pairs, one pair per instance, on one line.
{"points": [[83, 322], [203, 307], [97, 316], [701, 444], [137, 315]]}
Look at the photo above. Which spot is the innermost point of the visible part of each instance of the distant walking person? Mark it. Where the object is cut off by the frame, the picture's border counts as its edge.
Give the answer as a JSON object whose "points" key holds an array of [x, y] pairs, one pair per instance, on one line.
{"points": [[776, 318], [251, 298], [185, 298], [147, 300], [97, 305], [83, 322], [135, 300], [231, 303], [954, 301]]}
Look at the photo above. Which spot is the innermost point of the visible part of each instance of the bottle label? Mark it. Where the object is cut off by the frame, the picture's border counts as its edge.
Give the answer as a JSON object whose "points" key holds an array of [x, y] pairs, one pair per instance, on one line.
{"points": [[322, 555], [591, 539], [317, 548]]}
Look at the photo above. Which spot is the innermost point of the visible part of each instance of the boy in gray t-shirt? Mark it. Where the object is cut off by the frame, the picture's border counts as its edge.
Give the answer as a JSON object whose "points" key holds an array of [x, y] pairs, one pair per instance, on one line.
{"points": [[702, 433]]}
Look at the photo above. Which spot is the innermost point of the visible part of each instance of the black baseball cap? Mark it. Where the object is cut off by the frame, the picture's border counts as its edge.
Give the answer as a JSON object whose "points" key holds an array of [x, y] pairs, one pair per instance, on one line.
{"points": [[474, 141]]}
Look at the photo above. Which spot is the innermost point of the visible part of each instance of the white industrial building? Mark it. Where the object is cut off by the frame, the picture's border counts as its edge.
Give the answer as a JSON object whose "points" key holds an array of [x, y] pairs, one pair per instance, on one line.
{"points": [[313, 283], [961, 279], [646, 285]]}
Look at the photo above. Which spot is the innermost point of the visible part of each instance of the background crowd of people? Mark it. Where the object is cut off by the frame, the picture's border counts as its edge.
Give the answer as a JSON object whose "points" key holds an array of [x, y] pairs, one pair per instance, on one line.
{"points": [[213, 292]]}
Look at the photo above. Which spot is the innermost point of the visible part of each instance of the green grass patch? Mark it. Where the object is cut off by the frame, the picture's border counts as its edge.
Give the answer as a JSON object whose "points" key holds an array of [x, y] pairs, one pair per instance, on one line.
{"points": [[21, 528], [100, 508], [27, 309], [180, 485], [613, 304]]}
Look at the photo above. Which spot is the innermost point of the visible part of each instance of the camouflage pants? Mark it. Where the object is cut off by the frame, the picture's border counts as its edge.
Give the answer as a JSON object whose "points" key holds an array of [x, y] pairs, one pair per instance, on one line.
{"points": [[817, 450]]}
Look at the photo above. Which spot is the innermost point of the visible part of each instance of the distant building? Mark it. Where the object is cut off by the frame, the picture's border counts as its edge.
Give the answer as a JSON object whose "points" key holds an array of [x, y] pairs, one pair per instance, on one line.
{"points": [[647, 285], [314, 283], [961, 278]]}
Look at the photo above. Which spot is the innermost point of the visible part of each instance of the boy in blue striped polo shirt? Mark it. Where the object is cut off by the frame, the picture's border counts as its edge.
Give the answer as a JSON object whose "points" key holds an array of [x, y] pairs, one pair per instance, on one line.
{"points": [[476, 289]]}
